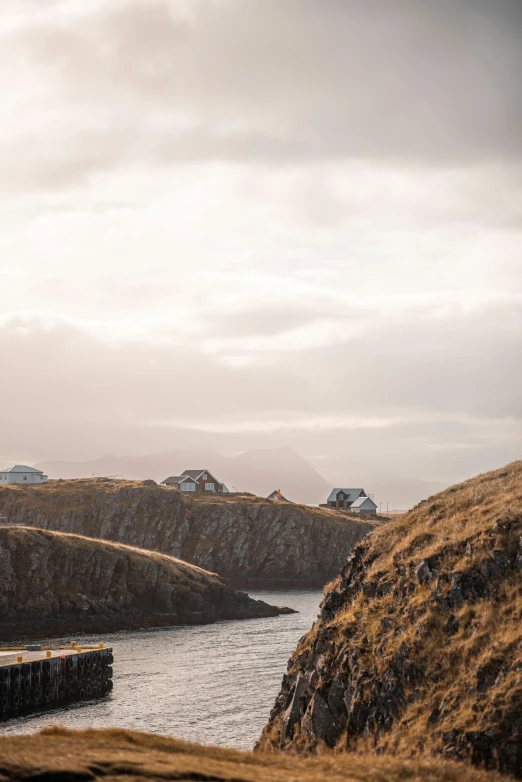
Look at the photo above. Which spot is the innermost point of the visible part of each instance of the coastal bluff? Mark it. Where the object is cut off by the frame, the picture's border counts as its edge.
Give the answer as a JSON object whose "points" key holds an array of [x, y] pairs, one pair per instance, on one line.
{"points": [[60, 755], [417, 651], [54, 584], [249, 540]]}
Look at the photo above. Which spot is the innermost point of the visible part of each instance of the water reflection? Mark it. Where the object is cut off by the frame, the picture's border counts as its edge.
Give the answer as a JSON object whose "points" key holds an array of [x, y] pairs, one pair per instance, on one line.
{"points": [[213, 684]]}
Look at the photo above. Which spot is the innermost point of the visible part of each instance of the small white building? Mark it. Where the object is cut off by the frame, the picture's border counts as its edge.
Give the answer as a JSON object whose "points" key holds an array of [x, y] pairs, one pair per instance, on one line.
{"points": [[363, 505], [21, 473]]}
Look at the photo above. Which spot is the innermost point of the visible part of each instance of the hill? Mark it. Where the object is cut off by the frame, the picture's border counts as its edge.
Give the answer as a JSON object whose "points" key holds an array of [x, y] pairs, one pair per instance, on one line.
{"points": [[252, 541], [258, 471], [54, 583], [61, 755], [418, 648]]}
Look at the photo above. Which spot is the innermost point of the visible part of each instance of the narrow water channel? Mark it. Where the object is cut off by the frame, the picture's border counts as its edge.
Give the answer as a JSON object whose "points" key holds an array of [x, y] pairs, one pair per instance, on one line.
{"points": [[214, 684]]}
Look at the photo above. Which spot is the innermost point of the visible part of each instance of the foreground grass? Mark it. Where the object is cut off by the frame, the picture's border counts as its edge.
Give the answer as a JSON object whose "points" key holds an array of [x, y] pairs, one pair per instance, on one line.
{"points": [[60, 755]]}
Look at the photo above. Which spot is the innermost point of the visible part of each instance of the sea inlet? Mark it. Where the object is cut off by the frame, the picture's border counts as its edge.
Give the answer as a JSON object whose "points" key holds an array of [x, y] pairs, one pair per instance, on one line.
{"points": [[214, 684]]}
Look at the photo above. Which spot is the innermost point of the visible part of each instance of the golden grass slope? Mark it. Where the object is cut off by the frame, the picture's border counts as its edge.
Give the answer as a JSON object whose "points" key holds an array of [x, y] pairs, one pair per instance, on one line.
{"points": [[418, 649], [116, 755]]}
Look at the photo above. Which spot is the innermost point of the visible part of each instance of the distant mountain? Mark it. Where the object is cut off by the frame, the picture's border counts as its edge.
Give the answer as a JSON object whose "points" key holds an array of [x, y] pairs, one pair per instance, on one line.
{"points": [[259, 471]]}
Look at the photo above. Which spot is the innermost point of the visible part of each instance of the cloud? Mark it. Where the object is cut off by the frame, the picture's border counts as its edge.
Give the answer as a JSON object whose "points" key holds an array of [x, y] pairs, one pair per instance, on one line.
{"points": [[132, 82], [416, 368], [428, 397], [267, 222]]}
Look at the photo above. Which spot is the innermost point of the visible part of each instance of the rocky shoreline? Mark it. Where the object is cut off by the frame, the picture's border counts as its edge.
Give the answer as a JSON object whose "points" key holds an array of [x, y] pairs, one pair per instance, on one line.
{"points": [[55, 584]]}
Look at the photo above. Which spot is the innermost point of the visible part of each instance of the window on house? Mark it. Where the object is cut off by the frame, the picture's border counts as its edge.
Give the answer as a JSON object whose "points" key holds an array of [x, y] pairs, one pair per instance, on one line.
{"points": [[188, 486], [209, 487], [205, 476], [25, 477]]}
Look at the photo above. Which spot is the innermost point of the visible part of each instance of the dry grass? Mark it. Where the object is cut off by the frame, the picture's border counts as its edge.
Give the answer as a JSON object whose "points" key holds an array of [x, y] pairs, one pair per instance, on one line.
{"points": [[58, 754], [75, 494], [457, 514], [177, 567], [458, 530]]}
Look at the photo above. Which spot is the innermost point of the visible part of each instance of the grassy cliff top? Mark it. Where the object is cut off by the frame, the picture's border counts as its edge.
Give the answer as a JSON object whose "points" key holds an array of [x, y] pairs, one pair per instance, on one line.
{"points": [[75, 491], [82, 546], [58, 754], [418, 648]]}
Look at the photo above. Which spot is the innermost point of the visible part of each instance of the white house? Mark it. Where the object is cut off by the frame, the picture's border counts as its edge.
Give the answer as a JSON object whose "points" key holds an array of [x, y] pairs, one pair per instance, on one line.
{"points": [[20, 473]]}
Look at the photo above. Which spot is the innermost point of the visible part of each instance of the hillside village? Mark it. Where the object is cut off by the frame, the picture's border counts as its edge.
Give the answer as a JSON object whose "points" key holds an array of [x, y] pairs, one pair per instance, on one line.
{"points": [[204, 482]]}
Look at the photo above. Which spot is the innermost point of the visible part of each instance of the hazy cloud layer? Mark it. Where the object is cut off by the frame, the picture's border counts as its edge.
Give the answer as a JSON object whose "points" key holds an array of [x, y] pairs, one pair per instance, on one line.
{"points": [[229, 224], [163, 81]]}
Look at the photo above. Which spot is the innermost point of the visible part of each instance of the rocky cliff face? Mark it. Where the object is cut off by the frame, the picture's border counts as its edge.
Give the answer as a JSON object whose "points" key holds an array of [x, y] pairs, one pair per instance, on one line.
{"points": [[254, 542], [53, 583], [418, 648]]}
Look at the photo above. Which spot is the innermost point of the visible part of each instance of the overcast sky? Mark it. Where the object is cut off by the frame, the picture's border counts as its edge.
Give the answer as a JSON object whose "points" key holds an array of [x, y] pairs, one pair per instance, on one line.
{"points": [[242, 223]]}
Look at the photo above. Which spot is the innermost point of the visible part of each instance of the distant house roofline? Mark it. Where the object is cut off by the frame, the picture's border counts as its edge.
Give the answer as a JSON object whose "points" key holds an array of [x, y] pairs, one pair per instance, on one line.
{"points": [[278, 497], [352, 494], [196, 474], [195, 477], [361, 500], [23, 468], [179, 479]]}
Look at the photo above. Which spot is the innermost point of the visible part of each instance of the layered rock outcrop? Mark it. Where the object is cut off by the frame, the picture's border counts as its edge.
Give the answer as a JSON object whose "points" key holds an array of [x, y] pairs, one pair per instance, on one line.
{"points": [[418, 647], [53, 583], [251, 541]]}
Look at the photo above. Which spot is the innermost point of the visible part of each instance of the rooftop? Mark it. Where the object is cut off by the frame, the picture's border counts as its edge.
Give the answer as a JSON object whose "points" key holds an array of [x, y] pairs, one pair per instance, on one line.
{"points": [[352, 494], [362, 500], [22, 468]]}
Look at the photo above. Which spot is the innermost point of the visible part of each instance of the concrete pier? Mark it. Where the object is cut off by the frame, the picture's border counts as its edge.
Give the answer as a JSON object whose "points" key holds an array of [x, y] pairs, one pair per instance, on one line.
{"points": [[35, 678]]}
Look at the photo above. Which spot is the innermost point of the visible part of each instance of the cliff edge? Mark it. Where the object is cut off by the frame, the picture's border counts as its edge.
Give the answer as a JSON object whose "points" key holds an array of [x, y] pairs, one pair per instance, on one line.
{"points": [[110, 755], [253, 542], [53, 583], [418, 647]]}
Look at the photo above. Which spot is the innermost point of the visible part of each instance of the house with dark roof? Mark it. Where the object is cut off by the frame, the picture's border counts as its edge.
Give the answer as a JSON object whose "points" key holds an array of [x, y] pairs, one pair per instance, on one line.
{"points": [[353, 500], [276, 496], [21, 473], [196, 481]]}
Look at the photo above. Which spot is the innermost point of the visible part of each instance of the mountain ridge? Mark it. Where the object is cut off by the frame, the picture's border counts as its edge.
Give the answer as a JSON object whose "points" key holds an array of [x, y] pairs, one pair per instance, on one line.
{"points": [[258, 471]]}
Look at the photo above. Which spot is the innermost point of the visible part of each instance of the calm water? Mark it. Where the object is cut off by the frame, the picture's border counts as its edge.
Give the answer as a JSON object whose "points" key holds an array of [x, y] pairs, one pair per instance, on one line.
{"points": [[214, 684]]}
